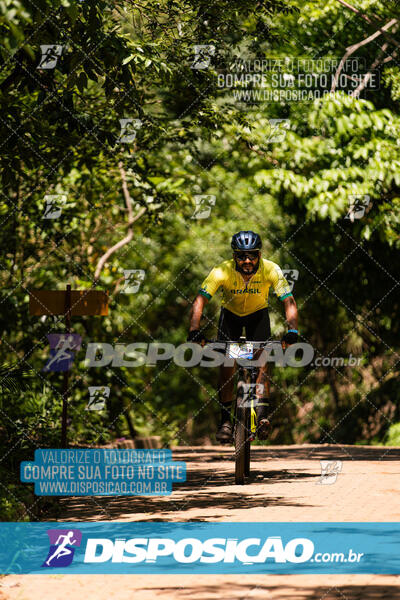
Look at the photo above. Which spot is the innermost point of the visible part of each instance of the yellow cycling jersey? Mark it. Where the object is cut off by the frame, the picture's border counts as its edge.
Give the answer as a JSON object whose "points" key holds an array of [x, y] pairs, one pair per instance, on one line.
{"points": [[240, 297]]}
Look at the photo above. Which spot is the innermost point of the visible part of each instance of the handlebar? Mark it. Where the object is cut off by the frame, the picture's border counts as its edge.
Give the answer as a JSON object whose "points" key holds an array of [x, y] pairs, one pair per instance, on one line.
{"points": [[244, 341]]}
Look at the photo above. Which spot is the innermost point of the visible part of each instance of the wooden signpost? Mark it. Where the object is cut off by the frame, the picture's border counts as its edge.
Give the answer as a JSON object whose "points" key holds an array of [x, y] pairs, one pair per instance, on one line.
{"points": [[69, 303]]}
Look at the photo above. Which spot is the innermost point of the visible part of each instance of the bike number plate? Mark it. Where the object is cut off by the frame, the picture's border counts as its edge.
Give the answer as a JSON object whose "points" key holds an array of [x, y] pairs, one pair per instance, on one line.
{"points": [[240, 351]]}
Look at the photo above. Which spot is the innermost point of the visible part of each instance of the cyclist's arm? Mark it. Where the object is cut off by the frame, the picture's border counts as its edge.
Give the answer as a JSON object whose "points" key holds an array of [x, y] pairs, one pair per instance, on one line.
{"points": [[208, 288], [197, 311], [291, 312], [284, 293]]}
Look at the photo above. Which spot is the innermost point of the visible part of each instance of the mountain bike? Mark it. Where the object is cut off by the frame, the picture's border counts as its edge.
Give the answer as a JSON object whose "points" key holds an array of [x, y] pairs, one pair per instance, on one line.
{"points": [[245, 417]]}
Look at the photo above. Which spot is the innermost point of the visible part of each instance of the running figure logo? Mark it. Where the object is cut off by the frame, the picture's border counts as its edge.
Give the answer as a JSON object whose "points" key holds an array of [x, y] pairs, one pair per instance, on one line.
{"points": [[62, 351], [98, 396], [133, 280], [54, 205], [291, 276], [359, 203], [50, 55], [330, 470], [61, 551], [203, 54]]}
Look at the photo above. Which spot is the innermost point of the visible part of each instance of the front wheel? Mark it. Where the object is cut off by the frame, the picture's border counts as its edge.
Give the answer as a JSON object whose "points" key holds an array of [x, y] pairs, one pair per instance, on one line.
{"points": [[247, 446], [242, 445]]}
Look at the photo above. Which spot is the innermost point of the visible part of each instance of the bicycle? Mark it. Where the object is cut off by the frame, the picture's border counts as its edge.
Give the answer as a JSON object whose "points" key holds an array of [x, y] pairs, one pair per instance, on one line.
{"points": [[245, 417]]}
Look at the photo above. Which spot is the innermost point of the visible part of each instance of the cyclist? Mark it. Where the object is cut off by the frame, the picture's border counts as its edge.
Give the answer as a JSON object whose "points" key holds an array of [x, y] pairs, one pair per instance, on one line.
{"points": [[245, 281]]}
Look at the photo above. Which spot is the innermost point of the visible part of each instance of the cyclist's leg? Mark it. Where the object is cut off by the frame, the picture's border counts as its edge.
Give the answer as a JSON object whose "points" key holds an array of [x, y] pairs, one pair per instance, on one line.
{"points": [[228, 328], [258, 329]]}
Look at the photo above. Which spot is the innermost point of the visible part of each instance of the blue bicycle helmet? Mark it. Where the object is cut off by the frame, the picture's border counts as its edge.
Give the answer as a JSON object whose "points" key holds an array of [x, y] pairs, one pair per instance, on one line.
{"points": [[246, 240]]}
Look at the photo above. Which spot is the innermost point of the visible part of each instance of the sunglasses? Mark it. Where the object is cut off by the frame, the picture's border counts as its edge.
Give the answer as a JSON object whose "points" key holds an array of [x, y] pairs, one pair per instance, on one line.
{"points": [[243, 255]]}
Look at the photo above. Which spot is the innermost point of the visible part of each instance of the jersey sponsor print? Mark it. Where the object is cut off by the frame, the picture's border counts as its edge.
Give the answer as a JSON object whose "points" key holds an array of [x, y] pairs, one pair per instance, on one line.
{"points": [[241, 297]]}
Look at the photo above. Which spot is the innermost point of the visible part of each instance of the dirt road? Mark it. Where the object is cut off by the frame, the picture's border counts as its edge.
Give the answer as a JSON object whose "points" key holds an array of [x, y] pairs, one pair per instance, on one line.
{"points": [[284, 487]]}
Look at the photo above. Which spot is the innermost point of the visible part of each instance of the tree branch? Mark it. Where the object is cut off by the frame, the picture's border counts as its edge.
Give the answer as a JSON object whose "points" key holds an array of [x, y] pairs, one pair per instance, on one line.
{"points": [[131, 221], [377, 63], [355, 10], [370, 21], [260, 152], [18, 58], [351, 49]]}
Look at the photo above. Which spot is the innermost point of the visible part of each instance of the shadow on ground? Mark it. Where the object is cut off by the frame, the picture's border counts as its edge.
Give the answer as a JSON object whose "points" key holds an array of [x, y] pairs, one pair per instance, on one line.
{"points": [[203, 489], [284, 592], [303, 452], [210, 484]]}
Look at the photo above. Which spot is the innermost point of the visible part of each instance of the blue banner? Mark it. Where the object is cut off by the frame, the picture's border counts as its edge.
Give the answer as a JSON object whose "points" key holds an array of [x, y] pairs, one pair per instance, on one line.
{"points": [[200, 548], [102, 472]]}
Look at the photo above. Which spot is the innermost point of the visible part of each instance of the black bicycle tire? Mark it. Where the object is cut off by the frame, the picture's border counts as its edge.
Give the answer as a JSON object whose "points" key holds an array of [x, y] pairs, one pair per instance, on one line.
{"points": [[240, 445], [247, 446], [239, 435]]}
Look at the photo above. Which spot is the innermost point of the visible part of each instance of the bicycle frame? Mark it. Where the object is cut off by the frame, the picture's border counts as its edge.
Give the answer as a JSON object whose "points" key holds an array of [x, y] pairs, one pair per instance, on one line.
{"points": [[245, 408], [248, 376]]}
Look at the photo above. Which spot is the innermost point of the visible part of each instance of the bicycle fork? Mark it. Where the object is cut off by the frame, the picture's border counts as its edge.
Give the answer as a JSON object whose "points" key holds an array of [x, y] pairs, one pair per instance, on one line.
{"points": [[253, 420], [250, 402]]}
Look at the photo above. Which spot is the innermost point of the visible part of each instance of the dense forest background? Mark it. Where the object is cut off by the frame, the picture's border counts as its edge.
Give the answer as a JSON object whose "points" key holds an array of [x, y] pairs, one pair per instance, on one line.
{"points": [[61, 135]]}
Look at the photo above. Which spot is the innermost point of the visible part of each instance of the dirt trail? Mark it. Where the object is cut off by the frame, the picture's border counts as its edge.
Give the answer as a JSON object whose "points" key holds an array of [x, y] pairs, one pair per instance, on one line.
{"points": [[283, 487]]}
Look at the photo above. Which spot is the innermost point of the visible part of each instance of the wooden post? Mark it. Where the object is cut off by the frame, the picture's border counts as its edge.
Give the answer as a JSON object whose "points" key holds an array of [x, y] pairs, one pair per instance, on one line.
{"points": [[70, 304], [66, 373]]}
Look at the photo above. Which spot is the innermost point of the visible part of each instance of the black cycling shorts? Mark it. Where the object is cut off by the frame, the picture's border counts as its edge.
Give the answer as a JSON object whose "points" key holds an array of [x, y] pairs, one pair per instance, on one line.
{"points": [[257, 326]]}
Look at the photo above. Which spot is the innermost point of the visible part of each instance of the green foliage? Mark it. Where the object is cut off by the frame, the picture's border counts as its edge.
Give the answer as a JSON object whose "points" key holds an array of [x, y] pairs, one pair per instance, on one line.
{"points": [[393, 435], [60, 129], [13, 378]]}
